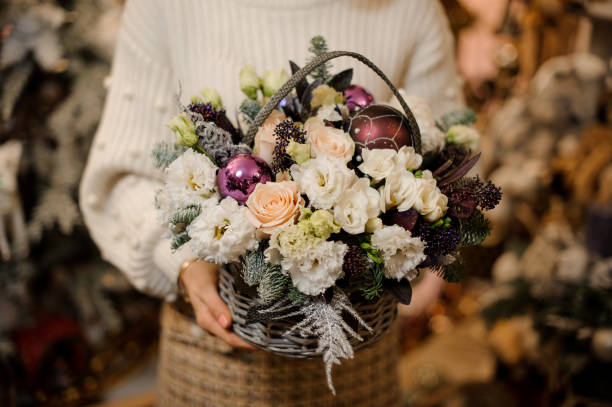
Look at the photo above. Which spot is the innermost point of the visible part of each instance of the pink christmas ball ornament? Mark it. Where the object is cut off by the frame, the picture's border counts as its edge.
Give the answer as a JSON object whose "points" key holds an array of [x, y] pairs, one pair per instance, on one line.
{"points": [[240, 176], [357, 97]]}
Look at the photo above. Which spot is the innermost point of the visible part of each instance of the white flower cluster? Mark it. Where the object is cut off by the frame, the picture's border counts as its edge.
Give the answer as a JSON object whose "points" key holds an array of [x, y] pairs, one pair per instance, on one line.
{"points": [[314, 264], [401, 252], [222, 233]]}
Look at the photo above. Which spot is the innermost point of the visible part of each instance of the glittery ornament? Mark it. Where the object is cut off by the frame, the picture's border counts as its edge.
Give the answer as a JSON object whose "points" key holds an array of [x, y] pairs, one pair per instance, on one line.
{"points": [[357, 97], [380, 126], [240, 176]]}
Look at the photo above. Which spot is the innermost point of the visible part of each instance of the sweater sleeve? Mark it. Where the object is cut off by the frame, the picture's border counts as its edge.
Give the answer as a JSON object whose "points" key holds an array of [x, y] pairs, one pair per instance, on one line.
{"points": [[119, 183], [432, 72]]}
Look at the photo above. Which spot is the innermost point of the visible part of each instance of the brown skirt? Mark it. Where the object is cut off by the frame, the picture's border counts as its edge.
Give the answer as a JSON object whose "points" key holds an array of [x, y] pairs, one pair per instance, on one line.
{"points": [[197, 369]]}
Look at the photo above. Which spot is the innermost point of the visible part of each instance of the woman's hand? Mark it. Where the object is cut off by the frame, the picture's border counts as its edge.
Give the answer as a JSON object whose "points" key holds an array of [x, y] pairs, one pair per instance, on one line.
{"points": [[200, 280]]}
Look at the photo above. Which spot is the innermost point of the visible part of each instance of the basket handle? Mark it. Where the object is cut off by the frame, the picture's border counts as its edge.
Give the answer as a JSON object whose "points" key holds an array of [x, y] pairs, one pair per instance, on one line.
{"points": [[311, 66]]}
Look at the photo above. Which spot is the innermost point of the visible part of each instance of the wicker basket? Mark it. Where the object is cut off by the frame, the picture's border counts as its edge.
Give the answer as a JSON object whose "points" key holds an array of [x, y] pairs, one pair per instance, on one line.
{"points": [[271, 335]]}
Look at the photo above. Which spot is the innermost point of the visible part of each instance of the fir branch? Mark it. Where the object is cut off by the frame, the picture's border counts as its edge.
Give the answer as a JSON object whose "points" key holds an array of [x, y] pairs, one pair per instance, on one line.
{"points": [[318, 46], [185, 215], [296, 296], [272, 286], [250, 108], [463, 116], [254, 266], [179, 240], [475, 229], [371, 284], [165, 153], [325, 322]]}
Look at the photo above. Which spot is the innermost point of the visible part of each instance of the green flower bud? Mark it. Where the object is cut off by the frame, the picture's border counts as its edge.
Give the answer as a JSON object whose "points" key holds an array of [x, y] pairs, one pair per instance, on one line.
{"points": [[184, 129], [463, 135], [273, 80], [211, 96], [249, 81], [323, 224], [299, 152]]}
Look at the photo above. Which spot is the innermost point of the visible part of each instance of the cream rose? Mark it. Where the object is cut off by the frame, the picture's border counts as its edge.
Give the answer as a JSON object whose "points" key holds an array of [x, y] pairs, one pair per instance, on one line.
{"points": [[357, 206], [378, 163], [325, 140], [273, 205], [430, 202], [323, 180], [265, 140], [400, 190]]}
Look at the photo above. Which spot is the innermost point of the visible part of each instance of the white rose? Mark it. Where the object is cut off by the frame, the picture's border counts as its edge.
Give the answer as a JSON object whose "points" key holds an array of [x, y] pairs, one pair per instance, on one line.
{"points": [[356, 206], [401, 252], [400, 190], [378, 163], [463, 135], [323, 180], [408, 158], [430, 201]]}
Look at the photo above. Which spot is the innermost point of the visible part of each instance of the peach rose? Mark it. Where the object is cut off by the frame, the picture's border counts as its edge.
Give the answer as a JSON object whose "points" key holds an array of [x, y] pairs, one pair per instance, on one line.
{"points": [[330, 141], [274, 204], [264, 139]]}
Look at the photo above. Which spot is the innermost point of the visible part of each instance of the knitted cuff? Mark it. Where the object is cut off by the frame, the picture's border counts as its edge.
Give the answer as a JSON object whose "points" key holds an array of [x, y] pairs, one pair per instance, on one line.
{"points": [[168, 261]]}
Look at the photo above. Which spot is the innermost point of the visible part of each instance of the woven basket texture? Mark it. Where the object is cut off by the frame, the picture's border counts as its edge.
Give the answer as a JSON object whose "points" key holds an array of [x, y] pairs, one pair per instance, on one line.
{"points": [[197, 369], [271, 335]]}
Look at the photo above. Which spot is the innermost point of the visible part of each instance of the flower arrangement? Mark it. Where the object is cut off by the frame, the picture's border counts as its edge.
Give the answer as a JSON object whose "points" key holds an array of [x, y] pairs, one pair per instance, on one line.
{"points": [[332, 197]]}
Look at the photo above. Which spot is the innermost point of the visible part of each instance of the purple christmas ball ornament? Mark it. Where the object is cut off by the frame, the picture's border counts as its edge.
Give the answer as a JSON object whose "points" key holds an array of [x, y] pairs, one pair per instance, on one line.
{"points": [[240, 176], [357, 97]]}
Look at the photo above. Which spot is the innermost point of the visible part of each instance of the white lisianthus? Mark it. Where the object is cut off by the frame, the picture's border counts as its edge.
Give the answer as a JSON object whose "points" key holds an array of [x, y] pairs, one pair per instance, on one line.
{"points": [[431, 203], [400, 190], [323, 180], [323, 268], [432, 138], [463, 135], [313, 264], [378, 163], [328, 112], [357, 206], [408, 158], [191, 180], [249, 81], [222, 233], [401, 252]]}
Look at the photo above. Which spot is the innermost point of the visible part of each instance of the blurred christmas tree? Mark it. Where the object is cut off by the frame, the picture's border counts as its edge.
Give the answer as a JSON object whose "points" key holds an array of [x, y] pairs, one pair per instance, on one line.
{"points": [[63, 312]]}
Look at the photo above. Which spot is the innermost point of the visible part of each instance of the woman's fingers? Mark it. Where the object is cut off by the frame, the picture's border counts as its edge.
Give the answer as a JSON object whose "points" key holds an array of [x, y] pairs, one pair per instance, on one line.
{"points": [[207, 322], [210, 296]]}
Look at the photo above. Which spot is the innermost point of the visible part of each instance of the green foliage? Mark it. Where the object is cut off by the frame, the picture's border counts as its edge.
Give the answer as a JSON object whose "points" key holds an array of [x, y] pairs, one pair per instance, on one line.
{"points": [[164, 153], [250, 108], [272, 286], [296, 296], [371, 284], [254, 266], [179, 240], [463, 116], [186, 215], [318, 46], [474, 229]]}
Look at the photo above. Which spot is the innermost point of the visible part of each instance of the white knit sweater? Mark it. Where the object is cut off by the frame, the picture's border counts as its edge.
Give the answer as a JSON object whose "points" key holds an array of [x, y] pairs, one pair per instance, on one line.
{"points": [[204, 43]]}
